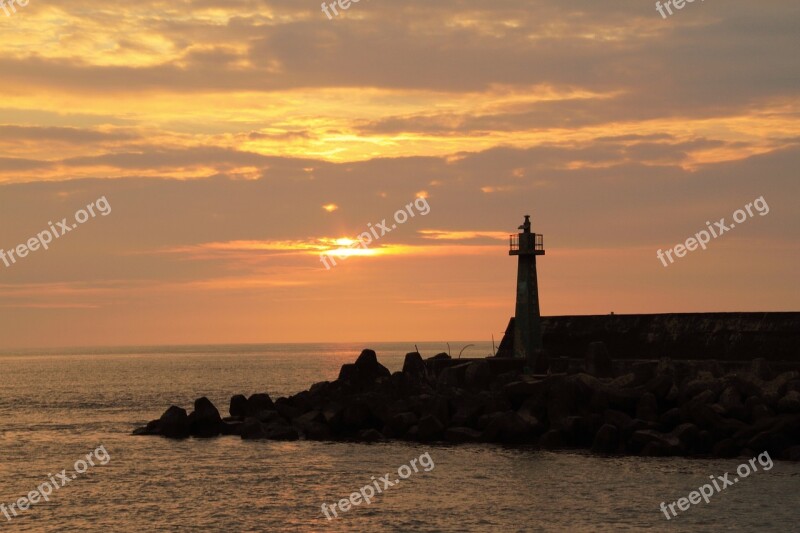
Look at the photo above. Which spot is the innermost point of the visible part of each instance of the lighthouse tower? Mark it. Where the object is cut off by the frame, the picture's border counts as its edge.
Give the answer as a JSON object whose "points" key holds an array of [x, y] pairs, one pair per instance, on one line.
{"points": [[527, 325]]}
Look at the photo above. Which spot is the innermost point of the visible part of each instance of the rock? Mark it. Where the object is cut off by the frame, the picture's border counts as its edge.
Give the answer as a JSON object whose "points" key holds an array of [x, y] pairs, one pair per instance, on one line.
{"points": [[269, 416], [563, 400], [791, 453], [287, 409], [666, 444], [278, 431], [760, 368], [252, 429], [508, 427], [598, 361], [478, 376], [790, 403], [415, 366], [439, 357], [370, 435], [257, 403], [461, 434], [238, 406], [579, 431], [319, 389], [726, 448], [451, 377], [467, 410], [606, 440], [760, 412], [647, 408], [773, 435], [429, 428], [655, 449], [624, 381], [552, 440], [173, 424], [205, 421], [731, 399], [670, 418], [617, 419], [400, 423], [356, 415], [364, 373], [231, 428], [689, 436], [711, 387], [312, 425], [518, 392], [644, 371]]}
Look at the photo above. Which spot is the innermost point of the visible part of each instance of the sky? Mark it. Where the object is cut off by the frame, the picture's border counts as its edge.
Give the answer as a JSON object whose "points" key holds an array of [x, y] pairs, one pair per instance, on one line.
{"points": [[224, 146]]}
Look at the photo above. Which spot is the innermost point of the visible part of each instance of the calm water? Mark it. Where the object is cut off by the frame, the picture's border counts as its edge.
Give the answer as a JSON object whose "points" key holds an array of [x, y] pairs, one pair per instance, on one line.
{"points": [[56, 407]]}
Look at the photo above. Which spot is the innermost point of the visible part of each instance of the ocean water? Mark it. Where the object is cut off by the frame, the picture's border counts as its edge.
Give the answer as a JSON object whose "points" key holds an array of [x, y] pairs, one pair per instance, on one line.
{"points": [[58, 406]]}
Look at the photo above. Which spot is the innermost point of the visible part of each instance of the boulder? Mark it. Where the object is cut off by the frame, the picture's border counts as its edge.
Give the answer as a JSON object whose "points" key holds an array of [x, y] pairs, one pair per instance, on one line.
{"points": [[370, 435], [468, 409], [238, 406], [288, 409], [257, 403], [231, 428], [400, 423], [414, 366], [725, 448], [665, 444], [312, 425], [792, 453], [790, 403], [461, 434], [689, 436], [429, 428], [478, 375], [365, 372], [173, 424], [205, 421], [552, 440], [451, 377], [606, 440], [509, 428], [252, 428], [647, 408], [518, 392], [760, 368], [279, 431]]}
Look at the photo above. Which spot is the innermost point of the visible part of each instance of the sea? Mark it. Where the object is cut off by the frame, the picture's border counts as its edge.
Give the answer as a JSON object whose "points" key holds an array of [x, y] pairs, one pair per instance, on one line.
{"points": [[58, 406]]}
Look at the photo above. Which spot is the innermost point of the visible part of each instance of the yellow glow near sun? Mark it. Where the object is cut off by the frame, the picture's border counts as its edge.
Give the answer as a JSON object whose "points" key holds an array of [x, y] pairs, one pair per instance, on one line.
{"points": [[330, 208]]}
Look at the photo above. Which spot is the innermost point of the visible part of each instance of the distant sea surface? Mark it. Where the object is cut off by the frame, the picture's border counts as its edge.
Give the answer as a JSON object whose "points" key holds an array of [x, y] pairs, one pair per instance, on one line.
{"points": [[57, 406]]}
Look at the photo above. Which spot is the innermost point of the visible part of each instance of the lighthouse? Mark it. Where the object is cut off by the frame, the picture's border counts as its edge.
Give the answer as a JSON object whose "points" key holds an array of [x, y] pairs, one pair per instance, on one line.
{"points": [[527, 322]]}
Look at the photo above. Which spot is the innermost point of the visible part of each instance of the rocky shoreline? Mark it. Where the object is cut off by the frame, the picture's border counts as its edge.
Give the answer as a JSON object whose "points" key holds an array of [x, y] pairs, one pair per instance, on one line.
{"points": [[657, 408]]}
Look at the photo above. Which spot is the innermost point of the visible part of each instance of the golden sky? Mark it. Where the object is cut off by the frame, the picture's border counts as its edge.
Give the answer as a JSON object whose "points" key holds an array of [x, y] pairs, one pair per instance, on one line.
{"points": [[237, 141]]}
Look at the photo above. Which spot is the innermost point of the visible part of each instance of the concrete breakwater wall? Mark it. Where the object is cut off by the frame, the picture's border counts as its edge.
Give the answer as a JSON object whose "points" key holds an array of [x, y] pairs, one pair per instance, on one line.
{"points": [[681, 336]]}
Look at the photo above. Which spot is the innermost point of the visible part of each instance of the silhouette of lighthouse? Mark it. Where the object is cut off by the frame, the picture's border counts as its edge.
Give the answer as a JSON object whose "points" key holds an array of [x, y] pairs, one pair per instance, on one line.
{"points": [[527, 322]]}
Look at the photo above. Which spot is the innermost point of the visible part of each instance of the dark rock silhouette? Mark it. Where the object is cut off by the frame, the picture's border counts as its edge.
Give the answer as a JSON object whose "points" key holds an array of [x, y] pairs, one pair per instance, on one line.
{"points": [[205, 420], [655, 408], [173, 424]]}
